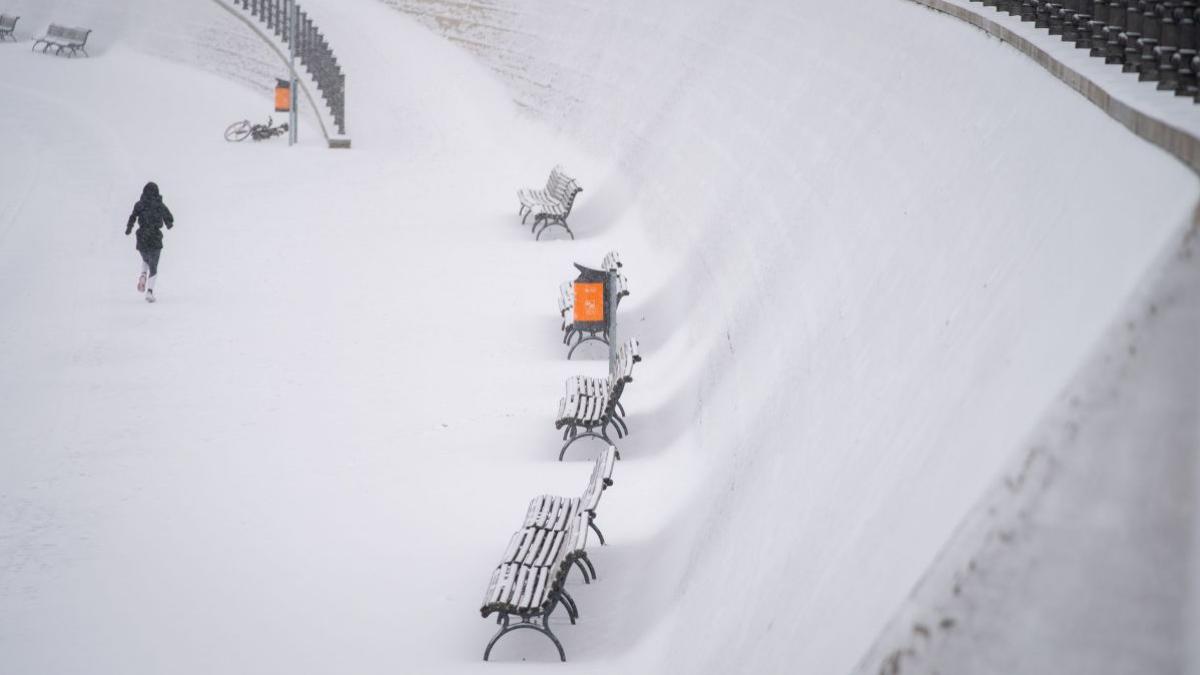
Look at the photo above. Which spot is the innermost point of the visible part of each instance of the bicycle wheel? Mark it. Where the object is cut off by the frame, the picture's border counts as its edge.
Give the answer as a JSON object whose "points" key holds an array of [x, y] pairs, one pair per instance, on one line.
{"points": [[238, 131]]}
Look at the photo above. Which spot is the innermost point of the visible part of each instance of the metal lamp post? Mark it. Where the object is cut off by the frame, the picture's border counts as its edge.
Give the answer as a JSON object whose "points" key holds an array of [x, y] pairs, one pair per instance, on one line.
{"points": [[293, 36]]}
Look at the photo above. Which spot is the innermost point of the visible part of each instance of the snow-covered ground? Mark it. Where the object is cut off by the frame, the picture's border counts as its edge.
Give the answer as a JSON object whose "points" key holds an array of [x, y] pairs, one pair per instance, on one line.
{"points": [[868, 248]]}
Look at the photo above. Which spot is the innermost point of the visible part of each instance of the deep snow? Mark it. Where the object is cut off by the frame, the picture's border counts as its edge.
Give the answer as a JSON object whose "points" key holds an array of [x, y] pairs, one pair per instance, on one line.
{"points": [[860, 272]]}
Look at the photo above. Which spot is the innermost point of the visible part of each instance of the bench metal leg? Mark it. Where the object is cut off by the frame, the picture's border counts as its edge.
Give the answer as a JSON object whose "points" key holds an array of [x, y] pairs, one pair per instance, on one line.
{"points": [[548, 223], [604, 430], [542, 628], [622, 428], [569, 604], [592, 524], [587, 561], [582, 570]]}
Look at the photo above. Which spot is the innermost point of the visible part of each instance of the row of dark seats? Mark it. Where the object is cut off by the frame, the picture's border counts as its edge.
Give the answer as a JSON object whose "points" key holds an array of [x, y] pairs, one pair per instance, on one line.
{"points": [[1156, 40]]}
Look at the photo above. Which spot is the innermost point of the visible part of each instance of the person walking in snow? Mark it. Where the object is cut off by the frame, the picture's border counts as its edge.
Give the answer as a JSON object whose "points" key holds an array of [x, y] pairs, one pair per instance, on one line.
{"points": [[151, 214]]}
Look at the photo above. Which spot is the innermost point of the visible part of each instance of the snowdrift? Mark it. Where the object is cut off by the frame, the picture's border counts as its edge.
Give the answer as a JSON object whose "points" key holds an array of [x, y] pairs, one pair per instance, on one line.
{"points": [[893, 240], [867, 246]]}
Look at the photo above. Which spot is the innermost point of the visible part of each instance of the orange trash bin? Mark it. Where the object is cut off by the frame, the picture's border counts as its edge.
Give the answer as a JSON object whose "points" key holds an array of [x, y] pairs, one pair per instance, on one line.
{"points": [[283, 96]]}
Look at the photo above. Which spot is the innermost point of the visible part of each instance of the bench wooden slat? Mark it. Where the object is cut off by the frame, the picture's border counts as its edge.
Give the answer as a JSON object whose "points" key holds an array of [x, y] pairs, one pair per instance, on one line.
{"points": [[531, 581], [552, 544]]}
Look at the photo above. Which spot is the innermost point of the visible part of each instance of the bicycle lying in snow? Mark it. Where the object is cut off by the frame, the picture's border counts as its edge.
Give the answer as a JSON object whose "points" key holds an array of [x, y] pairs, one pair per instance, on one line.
{"points": [[240, 131]]}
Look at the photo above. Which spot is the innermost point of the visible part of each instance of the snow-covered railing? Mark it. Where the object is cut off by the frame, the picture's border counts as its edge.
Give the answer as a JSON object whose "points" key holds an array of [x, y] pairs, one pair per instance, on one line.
{"points": [[311, 49]]}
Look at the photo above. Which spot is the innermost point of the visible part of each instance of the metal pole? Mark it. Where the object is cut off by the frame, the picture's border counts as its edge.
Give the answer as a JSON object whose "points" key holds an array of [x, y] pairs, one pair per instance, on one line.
{"points": [[293, 117], [611, 291]]}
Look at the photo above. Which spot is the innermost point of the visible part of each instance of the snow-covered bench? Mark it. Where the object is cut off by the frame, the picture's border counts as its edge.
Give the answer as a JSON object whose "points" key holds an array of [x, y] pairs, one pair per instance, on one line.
{"points": [[591, 405], [566, 305], [8, 24], [551, 205], [530, 582], [63, 38], [531, 197]]}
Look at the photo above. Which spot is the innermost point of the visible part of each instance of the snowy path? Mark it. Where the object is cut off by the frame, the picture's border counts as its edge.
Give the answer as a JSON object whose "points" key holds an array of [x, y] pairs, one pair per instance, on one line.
{"points": [[307, 455], [858, 283]]}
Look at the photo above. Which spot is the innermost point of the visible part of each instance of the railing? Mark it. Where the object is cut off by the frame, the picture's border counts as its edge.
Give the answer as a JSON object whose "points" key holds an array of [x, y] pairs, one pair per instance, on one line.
{"points": [[311, 49], [1156, 40]]}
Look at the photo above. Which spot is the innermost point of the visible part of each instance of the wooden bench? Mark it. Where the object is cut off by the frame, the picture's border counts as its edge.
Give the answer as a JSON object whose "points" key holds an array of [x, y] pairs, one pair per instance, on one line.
{"points": [[63, 38], [551, 205], [591, 405], [530, 582], [8, 24], [566, 305]]}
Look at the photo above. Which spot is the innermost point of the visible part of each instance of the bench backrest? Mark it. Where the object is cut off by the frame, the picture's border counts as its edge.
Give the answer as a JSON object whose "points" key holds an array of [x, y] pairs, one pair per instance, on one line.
{"points": [[7, 23], [564, 191], [571, 190], [622, 287], [566, 297], [67, 33], [621, 373], [556, 179], [621, 369], [601, 479]]}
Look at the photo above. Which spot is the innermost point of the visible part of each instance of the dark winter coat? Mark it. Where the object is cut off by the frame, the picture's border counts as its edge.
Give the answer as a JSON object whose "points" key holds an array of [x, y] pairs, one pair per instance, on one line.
{"points": [[151, 214]]}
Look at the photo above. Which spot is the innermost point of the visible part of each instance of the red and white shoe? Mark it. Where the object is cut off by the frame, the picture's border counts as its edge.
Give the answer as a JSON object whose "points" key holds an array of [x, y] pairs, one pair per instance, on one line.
{"points": [[142, 283]]}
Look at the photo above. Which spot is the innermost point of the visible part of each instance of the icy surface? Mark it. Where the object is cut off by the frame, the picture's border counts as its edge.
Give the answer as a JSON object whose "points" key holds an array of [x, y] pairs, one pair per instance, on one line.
{"points": [[861, 272]]}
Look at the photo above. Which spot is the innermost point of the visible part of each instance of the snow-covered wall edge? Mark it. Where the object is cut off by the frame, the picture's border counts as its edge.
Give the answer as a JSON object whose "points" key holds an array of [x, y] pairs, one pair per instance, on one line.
{"points": [[1000, 550]]}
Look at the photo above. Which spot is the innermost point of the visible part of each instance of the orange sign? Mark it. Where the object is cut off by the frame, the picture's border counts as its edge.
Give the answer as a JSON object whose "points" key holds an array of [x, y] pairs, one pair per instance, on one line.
{"points": [[283, 97], [589, 302]]}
